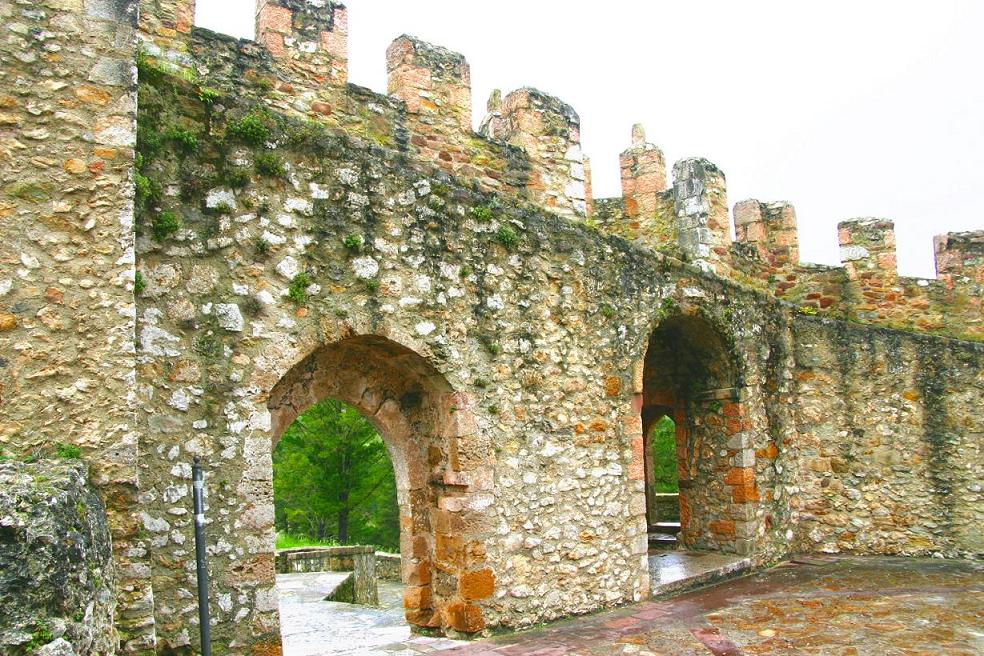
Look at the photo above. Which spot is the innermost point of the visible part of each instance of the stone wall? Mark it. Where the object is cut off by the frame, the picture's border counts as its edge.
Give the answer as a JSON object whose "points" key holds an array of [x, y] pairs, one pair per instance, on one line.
{"points": [[388, 566], [56, 568], [888, 435], [358, 588], [67, 119], [322, 559]]}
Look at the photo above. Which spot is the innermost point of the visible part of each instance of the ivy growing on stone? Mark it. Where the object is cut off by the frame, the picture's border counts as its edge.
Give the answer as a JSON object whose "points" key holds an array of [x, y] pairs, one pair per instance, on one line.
{"points": [[251, 129], [270, 165], [482, 213], [208, 95], [184, 140], [354, 242], [68, 451]]}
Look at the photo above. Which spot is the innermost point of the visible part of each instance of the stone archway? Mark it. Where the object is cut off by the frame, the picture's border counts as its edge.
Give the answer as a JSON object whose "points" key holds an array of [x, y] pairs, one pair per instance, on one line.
{"points": [[443, 470], [690, 374]]}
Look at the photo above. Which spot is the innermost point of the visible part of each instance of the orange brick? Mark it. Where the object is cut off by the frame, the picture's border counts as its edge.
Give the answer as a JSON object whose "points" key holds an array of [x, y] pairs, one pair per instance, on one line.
{"points": [[613, 385], [744, 494], [417, 597], [476, 585], [464, 617], [724, 527], [740, 476], [637, 467]]}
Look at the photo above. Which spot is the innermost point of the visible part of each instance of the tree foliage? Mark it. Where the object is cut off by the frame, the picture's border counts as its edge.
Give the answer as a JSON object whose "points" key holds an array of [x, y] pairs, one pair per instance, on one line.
{"points": [[662, 440], [333, 479]]}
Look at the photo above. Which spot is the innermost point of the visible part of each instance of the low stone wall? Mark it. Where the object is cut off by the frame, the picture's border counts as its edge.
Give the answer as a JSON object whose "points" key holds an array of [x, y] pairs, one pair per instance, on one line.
{"points": [[359, 588], [388, 567], [55, 562], [324, 559]]}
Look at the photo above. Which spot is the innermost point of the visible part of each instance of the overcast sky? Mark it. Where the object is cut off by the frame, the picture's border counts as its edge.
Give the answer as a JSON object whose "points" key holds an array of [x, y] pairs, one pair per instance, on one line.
{"points": [[846, 109]]}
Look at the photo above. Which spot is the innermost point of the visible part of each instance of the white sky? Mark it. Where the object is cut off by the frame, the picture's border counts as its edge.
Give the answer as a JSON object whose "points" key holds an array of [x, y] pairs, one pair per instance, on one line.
{"points": [[846, 109]]}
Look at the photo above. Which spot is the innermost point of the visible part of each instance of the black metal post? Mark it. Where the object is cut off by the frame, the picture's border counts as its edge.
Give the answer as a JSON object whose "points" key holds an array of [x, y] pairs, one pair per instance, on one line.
{"points": [[199, 497]]}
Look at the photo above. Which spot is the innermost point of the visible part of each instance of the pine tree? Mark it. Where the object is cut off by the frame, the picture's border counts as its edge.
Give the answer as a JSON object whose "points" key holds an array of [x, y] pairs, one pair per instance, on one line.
{"points": [[333, 479]]}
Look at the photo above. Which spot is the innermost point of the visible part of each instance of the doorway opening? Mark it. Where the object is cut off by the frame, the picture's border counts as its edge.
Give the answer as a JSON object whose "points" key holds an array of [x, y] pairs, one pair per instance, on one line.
{"points": [[700, 477], [333, 482], [399, 410], [662, 481]]}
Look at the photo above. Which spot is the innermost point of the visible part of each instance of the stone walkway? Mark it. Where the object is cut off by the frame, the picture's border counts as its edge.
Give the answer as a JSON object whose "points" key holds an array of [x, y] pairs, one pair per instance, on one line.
{"points": [[817, 606], [313, 627], [671, 572]]}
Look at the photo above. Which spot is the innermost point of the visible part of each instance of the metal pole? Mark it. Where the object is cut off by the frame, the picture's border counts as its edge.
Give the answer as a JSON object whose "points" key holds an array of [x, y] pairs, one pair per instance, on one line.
{"points": [[199, 497]]}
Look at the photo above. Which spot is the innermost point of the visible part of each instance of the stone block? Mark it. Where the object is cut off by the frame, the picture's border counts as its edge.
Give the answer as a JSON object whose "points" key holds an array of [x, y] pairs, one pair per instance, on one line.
{"points": [[476, 584]]}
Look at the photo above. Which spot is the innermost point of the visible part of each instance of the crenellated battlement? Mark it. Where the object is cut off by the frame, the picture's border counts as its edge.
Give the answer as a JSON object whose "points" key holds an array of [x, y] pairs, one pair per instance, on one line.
{"points": [[548, 130], [529, 146], [435, 83], [310, 38], [769, 229]]}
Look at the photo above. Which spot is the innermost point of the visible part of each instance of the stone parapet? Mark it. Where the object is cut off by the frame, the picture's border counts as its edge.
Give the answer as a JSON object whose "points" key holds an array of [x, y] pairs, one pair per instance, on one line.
{"points": [[959, 258], [701, 209], [770, 230], [643, 171]]}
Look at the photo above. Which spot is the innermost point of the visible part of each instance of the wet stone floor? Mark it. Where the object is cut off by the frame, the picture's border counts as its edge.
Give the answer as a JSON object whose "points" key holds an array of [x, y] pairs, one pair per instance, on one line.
{"points": [[817, 606], [311, 626]]}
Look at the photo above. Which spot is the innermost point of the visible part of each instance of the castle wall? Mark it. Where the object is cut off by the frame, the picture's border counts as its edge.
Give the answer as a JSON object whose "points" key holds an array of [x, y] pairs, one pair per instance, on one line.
{"points": [[888, 435], [288, 223]]}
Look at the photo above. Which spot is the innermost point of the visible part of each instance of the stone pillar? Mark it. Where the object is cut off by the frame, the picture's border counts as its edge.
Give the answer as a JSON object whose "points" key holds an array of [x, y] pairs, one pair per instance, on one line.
{"points": [[769, 229], [588, 189], [960, 256], [311, 39], [643, 176], [549, 131], [701, 208], [434, 82], [66, 246]]}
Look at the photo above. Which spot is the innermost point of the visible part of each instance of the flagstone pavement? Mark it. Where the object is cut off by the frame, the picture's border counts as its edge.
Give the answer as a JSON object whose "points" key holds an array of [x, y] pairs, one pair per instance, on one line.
{"points": [[817, 606]]}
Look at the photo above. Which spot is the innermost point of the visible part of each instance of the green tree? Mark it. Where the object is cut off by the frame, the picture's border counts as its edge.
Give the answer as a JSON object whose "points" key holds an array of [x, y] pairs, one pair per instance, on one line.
{"points": [[332, 479], [662, 440]]}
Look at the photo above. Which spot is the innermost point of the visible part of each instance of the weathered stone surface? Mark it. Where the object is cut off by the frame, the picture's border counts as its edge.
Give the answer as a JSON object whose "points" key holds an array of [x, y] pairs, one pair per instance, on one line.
{"points": [[297, 238], [56, 567]]}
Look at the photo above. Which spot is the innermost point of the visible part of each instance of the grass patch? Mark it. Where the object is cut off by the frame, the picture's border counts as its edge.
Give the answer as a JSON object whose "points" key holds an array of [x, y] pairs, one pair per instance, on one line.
{"points": [[68, 451], [297, 292], [287, 541]]}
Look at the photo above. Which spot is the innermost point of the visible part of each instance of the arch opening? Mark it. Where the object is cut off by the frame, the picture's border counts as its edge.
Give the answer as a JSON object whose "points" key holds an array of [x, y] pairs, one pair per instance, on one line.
{"points": [[441, 467], [692, 384]]}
